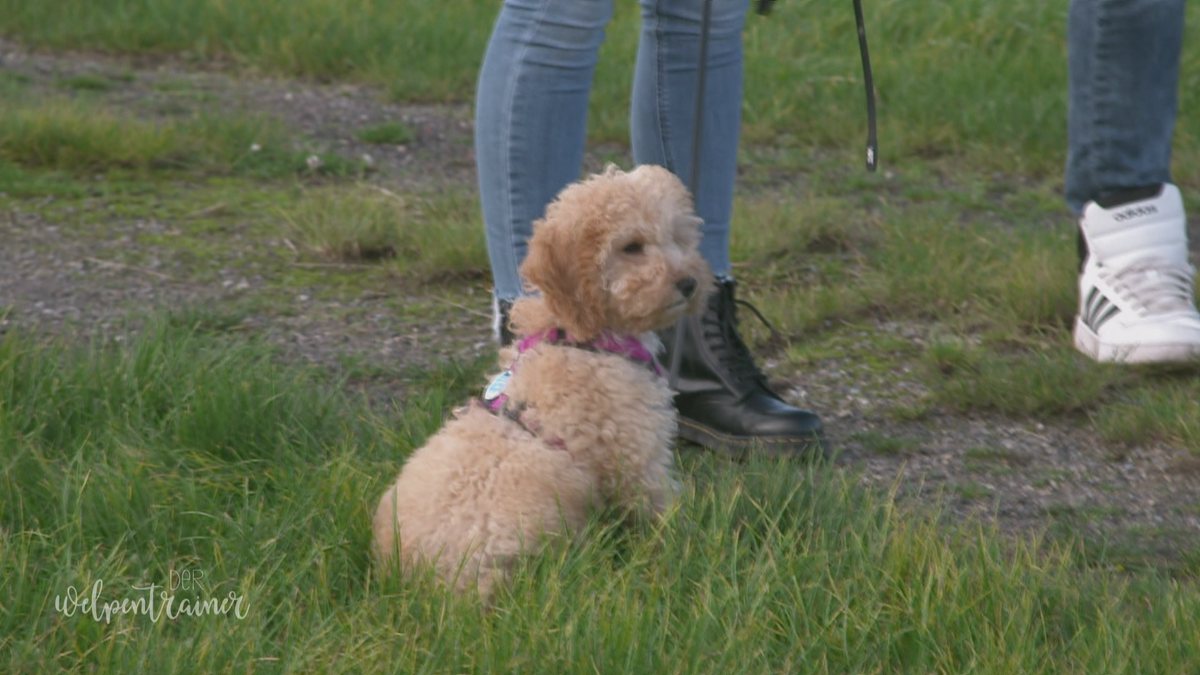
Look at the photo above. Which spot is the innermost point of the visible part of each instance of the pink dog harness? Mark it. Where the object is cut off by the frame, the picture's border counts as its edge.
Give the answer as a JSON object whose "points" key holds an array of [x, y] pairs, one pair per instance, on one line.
{"points": [[628, 346]]}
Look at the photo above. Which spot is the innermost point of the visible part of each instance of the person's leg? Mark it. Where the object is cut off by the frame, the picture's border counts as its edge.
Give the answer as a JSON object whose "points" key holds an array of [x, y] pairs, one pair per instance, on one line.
{"points": [[1136, 289], [664, 94], [531, 119], [1123, 75], [723, 401]]}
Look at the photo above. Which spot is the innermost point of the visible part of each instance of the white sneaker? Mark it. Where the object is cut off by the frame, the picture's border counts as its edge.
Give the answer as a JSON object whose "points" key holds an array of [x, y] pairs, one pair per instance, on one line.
{"points": [[1136, 292]]}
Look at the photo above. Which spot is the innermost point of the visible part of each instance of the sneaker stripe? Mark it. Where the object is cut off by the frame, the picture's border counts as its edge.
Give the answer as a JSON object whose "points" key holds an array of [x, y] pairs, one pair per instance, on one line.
{"points": [[1091, 305], [1098, 309], [1112, 311]]}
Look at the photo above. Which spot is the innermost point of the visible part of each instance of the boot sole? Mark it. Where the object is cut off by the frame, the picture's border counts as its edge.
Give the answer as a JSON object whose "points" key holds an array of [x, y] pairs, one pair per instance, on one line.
{"points": [[739, 446]]}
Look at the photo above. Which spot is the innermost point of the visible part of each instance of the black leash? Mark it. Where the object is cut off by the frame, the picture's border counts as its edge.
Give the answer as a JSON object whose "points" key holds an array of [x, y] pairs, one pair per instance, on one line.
{"points": [[694, 176], [872, 142], [764, 7]]}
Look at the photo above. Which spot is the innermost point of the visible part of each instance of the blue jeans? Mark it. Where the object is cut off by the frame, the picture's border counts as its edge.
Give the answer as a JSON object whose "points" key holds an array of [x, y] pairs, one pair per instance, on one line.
{"points": [[1123, 72], [531, 113]]}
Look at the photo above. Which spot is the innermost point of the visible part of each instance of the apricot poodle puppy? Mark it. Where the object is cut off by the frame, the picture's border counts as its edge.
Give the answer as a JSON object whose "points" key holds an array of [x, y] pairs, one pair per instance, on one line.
{"points": [[581, 416]]}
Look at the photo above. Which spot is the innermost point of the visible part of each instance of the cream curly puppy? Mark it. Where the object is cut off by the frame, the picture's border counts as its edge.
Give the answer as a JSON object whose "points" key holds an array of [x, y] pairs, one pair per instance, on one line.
{"points": [[582, 416]]}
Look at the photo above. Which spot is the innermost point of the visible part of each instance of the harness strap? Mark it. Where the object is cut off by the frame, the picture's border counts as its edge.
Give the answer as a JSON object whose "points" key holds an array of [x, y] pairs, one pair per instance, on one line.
{"points": [[497, 401], [606, 343]]}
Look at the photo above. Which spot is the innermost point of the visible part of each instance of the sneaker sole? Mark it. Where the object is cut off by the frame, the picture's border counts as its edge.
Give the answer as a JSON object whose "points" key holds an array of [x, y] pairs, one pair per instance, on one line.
{"points": [[1092, 346], [740, 446]]}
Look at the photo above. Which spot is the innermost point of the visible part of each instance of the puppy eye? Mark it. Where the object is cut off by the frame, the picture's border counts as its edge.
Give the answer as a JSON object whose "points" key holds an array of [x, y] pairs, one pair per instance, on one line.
{"points": [[633, 248]]}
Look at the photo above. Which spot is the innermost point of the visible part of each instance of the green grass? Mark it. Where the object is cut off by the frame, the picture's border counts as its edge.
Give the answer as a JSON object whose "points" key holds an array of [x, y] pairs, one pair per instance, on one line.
{"points": [[193, 460], [1168, 411], [66, 135], [432, 236], [394, 133], [383, 43], [16, 181], [1048, 382], [358, 226], [87, 83], [966, 78], [933, 257]]}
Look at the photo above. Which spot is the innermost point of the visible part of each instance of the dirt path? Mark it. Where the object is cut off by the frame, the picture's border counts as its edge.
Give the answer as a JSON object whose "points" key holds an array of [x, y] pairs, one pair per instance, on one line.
{"points": [[79, 264]]}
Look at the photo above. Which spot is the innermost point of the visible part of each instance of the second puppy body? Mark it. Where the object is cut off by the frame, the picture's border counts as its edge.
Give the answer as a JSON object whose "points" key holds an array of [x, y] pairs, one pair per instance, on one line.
{"points": [[581, 416]]}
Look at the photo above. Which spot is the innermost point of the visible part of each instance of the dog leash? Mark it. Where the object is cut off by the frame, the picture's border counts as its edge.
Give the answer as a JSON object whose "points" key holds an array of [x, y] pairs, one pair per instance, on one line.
{"points": [[764, 8], [869, 83], [694, 173]]}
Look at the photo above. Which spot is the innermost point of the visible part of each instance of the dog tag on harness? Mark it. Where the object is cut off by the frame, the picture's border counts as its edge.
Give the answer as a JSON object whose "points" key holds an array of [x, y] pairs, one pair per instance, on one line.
{"points": [[496, 386]]}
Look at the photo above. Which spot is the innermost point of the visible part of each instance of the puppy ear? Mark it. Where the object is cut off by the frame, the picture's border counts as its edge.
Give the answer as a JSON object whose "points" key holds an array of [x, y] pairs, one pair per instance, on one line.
{"points": [[558, 265], [547, 272]]}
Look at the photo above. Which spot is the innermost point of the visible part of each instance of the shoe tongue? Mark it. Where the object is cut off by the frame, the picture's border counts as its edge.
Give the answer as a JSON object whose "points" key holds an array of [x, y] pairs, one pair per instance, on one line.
{"points": [[1173, 256], [1125, 234]]}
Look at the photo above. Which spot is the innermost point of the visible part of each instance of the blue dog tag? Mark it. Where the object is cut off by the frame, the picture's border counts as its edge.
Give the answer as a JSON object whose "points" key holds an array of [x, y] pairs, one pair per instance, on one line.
{"points": [[496, 386]]}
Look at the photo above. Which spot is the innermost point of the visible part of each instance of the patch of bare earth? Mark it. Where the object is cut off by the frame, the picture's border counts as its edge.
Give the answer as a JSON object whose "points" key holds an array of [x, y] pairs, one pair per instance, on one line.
{"points": [[1022, 474]]}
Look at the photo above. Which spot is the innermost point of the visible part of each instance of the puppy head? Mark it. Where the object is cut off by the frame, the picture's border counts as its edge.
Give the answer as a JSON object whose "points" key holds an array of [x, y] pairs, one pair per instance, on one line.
{"points": [[618, 251]]}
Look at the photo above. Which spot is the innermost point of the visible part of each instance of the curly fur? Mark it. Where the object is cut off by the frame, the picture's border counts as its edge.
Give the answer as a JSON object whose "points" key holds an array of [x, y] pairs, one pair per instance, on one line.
{"points": [[608, 256]]}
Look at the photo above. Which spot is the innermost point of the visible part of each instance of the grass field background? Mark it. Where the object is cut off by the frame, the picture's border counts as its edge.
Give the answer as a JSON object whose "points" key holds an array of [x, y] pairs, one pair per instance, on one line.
{"points": [[973, 78], [191, 452], [186, 443]]}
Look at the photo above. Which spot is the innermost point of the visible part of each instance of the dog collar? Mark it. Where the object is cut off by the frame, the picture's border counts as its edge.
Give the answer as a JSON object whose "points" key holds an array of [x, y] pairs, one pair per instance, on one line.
{"points": [[622, 345], [496, 401]]}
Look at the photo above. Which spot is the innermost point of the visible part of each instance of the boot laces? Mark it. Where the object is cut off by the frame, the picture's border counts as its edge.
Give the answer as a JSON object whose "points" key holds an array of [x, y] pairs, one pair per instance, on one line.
{"points": [[721, 334], [1156, 286]]}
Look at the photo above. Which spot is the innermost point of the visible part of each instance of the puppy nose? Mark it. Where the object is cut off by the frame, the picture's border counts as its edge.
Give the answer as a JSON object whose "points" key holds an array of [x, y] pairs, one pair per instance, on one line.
{"points": [[687, 286]]}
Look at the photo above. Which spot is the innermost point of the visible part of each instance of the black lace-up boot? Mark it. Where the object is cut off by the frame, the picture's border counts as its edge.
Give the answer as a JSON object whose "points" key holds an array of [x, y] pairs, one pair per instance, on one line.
{"points": [[500, 312], [724, 402]]}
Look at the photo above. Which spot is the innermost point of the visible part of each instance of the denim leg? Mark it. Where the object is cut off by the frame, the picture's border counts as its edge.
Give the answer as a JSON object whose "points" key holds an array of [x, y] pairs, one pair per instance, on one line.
{"points": [[531, 118], [664, 90], [1123, 73]]}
